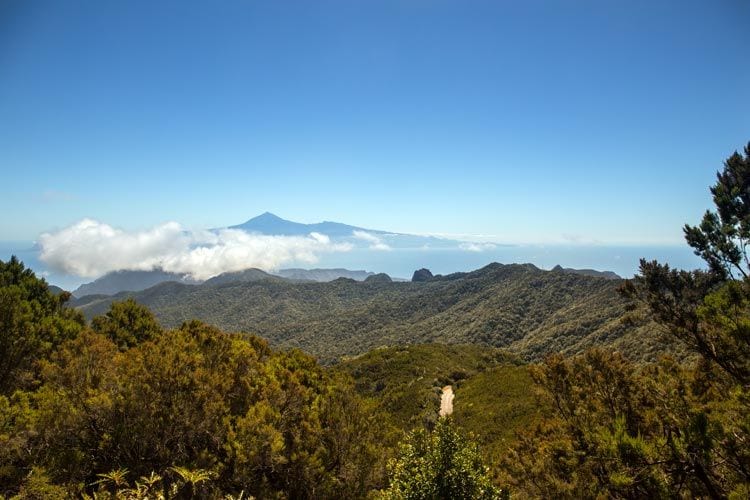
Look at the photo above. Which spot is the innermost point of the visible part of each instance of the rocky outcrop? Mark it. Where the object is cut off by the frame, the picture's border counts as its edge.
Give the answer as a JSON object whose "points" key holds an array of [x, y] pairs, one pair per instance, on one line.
{"points": [[422, 275]]}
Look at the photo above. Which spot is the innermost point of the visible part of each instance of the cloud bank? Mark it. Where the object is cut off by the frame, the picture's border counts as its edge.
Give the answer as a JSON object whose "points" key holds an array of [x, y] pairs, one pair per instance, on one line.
{"points": [[477, 247], [90, 249], [376, 243]]}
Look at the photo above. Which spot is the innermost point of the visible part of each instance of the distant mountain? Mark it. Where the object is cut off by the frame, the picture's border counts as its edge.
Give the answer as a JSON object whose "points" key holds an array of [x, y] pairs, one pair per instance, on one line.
{"points": [[121, 281], [271, 224], [588, 272], [379, 278], [135, 281], [268, 223], [245, 276], [322, 274], [55, 289], [529, 311], [422, 275]]}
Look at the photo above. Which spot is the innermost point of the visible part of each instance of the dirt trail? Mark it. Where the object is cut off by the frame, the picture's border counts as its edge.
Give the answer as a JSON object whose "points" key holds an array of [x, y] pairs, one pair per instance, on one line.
{"points": [[446, 401]]}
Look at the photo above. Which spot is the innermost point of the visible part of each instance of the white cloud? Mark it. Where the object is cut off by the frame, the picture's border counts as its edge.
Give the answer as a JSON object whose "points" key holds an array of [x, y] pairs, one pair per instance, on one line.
{"points": [[375, 242], [477, 247], [90, 249]]}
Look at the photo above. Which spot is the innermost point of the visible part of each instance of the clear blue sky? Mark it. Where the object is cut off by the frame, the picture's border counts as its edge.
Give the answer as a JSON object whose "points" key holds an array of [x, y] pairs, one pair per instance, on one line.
{"points": [[533, 120]]}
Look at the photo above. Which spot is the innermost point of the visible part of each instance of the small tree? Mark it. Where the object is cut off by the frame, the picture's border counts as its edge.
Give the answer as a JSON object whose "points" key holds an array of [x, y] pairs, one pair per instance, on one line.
{"points": [[33, 321], [127, 324], [705, 309], [722, 237], [437, 465]]}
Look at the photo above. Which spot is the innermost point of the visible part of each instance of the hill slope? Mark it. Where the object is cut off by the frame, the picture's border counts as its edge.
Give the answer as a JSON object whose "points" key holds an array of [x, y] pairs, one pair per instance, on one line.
{"points": [[322, 274], [118, 281], [529, 311], [247, 275], [494, 395], [407, 380]]}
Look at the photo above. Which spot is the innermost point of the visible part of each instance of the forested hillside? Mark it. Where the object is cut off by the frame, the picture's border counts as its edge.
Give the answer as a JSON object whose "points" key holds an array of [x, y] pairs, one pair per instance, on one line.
{"points": [[519, 307], [493, 390]]}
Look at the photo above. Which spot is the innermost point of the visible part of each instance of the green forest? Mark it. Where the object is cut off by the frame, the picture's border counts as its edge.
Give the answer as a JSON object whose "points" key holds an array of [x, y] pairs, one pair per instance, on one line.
{"points": [[646, 398], [529, 311]]}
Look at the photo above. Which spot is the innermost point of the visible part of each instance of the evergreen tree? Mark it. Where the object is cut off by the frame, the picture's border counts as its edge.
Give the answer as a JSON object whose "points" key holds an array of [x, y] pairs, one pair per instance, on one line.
{"points": [[33, 321], [127, 324]]}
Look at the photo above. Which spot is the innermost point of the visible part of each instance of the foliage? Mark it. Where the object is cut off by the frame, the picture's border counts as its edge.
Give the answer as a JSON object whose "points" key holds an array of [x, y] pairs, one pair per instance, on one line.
{"points": [[33, 321], [494, 406], [127, 324], [407, 381], [722, 237], [624, 430], [492, 389], [439, 465]]}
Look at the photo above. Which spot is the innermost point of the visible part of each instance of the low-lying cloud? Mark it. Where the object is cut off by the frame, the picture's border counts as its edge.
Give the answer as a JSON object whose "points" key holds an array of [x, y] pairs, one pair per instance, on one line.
{"points": [[477, 247], [90, 249], [375, 242]]}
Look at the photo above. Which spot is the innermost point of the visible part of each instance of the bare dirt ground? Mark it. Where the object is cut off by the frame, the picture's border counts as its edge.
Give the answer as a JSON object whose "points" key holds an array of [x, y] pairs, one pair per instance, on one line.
{"points": [[446, 401]]}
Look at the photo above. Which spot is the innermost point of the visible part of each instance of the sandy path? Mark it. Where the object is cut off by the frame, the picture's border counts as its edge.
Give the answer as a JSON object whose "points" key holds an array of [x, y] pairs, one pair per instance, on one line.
{"points": [[446, 401]]}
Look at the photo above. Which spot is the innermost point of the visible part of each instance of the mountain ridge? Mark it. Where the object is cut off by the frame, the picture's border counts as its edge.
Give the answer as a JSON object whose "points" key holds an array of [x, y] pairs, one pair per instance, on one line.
{"points": [[116, 282], [527, 310], [127, 281]]}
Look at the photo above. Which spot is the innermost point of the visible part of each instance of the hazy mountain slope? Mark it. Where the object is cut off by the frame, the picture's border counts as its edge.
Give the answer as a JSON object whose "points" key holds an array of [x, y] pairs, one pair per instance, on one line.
{"points": [[241, 276], [588, 272], [322, 274], [119, 281], [134, 281], [529, 311]]}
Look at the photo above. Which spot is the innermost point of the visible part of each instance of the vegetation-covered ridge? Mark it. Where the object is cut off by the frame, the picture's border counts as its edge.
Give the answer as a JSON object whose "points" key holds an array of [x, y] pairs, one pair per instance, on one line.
{"points": [[408, 380], [519, 307], [494, 397]]}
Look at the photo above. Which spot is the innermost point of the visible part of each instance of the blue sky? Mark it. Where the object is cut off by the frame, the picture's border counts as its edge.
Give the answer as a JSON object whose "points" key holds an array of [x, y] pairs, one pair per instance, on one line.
{"points": [[535, 121]]}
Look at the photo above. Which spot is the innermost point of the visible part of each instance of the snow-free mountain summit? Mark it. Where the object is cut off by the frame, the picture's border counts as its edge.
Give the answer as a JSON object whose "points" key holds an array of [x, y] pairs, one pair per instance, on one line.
{"points": [[271, 224], [268, 223]]}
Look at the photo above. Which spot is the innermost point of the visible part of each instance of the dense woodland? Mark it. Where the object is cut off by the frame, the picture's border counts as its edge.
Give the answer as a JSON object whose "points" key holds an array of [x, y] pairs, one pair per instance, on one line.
{"points": [[124, 407], [518, 307]]}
